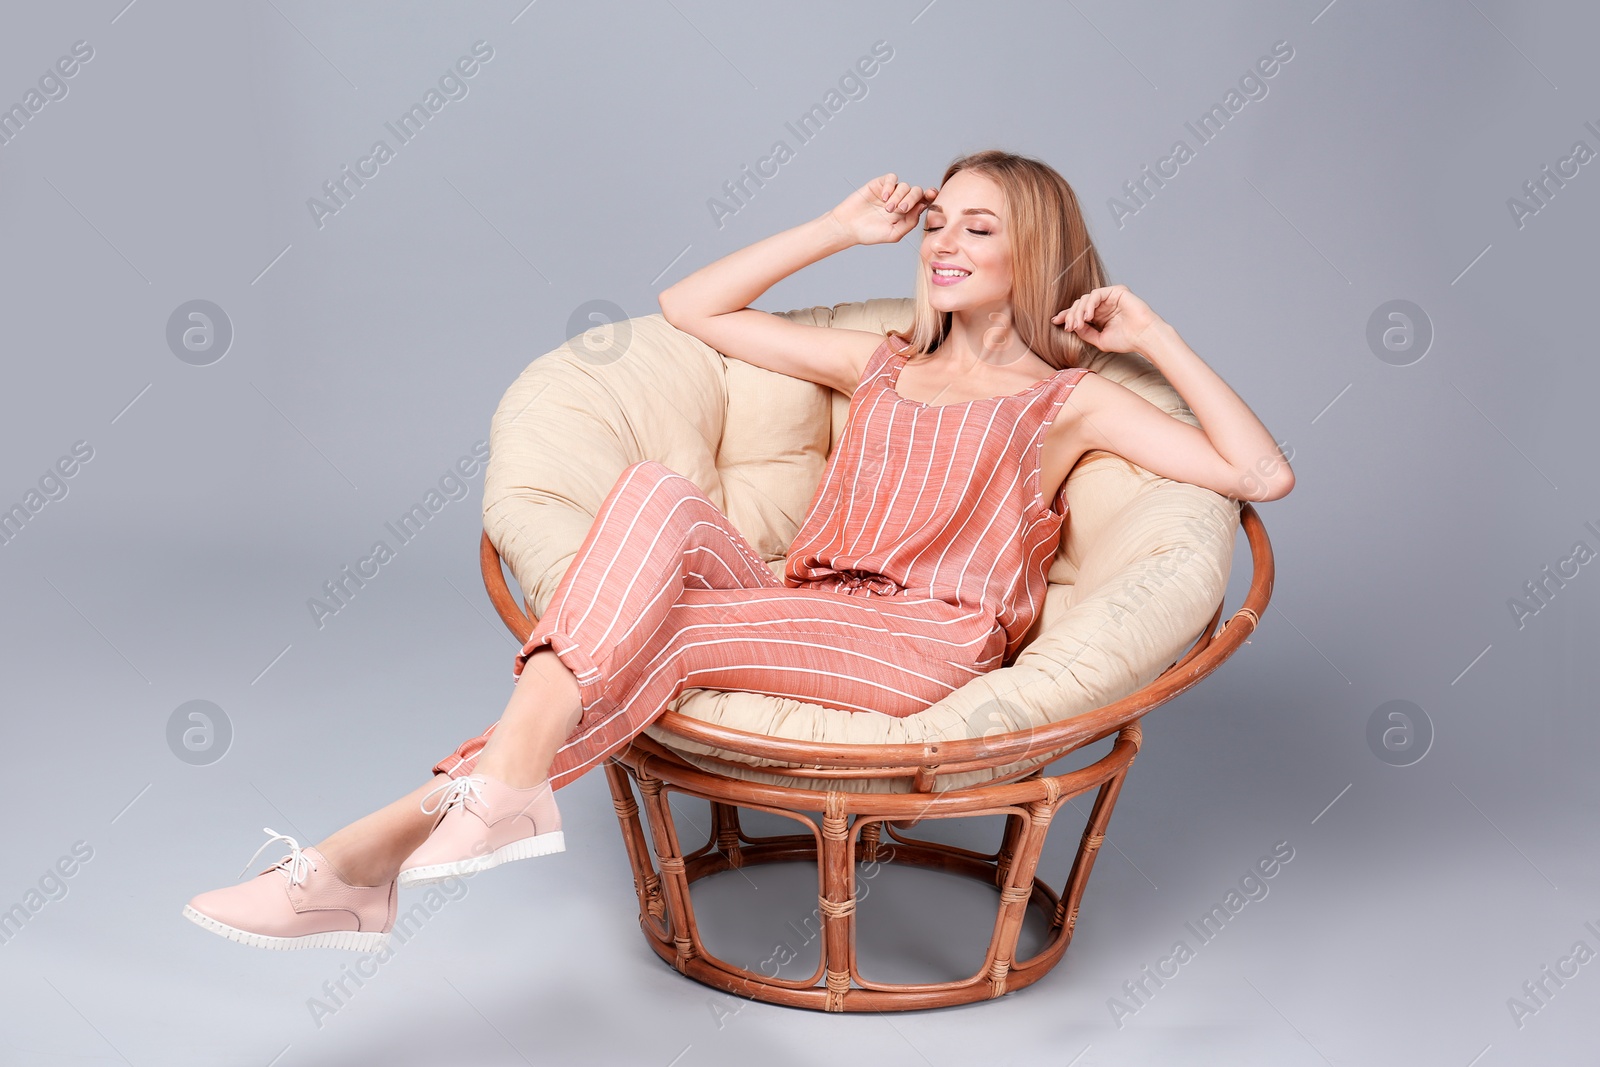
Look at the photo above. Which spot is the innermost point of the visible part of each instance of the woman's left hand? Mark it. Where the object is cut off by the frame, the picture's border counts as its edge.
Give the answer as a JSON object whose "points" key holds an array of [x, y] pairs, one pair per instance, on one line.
{"points": [[1110, 318]]}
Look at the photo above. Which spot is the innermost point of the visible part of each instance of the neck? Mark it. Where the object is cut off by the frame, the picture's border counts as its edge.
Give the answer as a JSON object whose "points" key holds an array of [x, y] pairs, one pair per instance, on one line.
{"points": [[982, 337]]}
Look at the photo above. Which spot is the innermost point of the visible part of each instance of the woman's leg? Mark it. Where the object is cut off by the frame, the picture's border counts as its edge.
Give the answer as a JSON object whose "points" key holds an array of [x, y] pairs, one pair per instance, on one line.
{"points": [[370, 850], [666, 593], [542, 711], [656, 535]]}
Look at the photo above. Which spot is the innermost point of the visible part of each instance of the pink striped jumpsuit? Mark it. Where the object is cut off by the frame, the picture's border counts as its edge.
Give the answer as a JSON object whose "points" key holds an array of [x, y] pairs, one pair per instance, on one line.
{"points": [[920, 565]]}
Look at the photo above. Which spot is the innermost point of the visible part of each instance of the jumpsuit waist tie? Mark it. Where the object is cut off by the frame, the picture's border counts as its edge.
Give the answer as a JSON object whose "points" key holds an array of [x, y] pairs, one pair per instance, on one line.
{"points": [[852, 580]]}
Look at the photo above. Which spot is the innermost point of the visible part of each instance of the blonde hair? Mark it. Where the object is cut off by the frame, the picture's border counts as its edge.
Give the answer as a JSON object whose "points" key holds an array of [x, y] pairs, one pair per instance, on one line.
{"points": [[1053, 260]]}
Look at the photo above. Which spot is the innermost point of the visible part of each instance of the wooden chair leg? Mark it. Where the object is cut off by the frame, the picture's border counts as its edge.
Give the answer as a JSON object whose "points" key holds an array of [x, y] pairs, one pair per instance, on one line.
{"points": [[1008, 848], [871, 834], [669, 857], [652, 907], [1017, 885], [1094, 835], [725, 831], [838, 901]]}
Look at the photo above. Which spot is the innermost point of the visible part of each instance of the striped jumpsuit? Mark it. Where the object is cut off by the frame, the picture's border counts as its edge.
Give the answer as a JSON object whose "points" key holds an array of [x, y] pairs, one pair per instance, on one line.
{"points": [[920, 565]]}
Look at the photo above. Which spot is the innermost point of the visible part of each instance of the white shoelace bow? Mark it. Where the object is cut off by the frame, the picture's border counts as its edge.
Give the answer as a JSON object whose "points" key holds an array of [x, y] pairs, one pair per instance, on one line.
{"points": [[295, 866], [454, 792]]}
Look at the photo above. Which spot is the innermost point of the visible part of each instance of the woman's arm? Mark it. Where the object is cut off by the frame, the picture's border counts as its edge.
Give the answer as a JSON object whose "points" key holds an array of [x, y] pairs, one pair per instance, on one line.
{"points": [[1231, 453], [713, 302]]}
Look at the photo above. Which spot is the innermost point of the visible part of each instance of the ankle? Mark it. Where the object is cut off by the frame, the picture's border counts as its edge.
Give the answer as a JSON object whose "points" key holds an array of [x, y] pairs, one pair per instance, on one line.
{"points": [[356, 866], [515, 777]]}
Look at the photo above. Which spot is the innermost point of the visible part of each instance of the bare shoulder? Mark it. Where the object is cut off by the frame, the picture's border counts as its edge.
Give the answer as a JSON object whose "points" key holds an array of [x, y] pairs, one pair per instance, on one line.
{"points": [[1073, 430], [828, 355]]}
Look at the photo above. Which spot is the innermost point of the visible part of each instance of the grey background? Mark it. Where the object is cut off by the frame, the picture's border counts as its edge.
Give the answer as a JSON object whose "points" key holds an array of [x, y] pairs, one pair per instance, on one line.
{"points": [[368, 356]]}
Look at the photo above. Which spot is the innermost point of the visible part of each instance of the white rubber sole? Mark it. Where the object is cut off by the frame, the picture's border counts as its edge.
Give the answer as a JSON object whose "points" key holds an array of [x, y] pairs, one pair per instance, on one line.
{"points": [[527, 848], [355, 940]]}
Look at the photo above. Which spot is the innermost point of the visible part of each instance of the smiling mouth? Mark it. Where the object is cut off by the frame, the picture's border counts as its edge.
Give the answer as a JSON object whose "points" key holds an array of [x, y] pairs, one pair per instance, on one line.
{"points": [[948, 275]]}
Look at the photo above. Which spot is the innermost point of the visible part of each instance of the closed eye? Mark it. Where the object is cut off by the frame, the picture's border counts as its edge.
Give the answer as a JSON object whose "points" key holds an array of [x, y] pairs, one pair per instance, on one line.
{"points": [[980, 233]]}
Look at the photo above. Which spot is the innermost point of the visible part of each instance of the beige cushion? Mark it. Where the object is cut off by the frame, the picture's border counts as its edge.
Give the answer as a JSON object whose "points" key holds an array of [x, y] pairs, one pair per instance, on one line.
{"points": [[1143, 564]]}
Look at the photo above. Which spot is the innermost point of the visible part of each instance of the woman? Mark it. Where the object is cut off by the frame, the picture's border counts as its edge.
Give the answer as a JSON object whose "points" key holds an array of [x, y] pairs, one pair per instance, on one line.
{"points": [[919, 566]]}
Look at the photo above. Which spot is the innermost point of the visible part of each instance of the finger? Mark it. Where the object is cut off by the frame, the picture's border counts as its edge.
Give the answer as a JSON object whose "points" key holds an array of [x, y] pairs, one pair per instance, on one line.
{"points": [[913, 198]]}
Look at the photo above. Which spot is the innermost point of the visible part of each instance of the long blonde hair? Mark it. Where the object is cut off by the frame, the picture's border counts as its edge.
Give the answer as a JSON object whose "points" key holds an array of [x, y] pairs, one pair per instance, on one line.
{"points": [[1053, 260]]}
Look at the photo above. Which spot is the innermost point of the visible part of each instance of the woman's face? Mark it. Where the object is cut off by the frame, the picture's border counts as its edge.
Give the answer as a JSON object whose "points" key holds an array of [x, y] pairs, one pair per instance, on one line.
{"points": [[965, 229]]}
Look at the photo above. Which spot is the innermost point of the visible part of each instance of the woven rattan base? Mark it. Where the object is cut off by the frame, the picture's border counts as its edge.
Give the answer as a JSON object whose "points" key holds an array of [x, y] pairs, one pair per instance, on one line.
{"points": [[853, 829]]}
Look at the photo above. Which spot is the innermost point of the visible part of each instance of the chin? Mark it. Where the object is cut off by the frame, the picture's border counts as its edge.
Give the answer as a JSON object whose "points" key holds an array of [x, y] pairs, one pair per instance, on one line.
{"points": [[943, 300]]}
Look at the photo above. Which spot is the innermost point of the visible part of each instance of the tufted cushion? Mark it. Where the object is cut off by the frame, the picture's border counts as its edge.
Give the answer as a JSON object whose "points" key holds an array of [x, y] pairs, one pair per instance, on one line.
{"points": [[1143, 563]]}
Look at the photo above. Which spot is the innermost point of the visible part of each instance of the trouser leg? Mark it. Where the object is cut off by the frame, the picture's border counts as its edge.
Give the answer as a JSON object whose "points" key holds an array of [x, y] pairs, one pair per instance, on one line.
{"points": [[654, 535], [665, 594]]}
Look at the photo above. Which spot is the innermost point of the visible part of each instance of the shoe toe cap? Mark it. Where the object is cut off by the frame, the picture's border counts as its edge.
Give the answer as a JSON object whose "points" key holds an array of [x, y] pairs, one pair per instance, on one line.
{"points": [[257, 906]]}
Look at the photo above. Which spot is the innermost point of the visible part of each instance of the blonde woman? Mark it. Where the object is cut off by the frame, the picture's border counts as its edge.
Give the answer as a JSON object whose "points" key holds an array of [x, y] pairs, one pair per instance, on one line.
{"points": [[919, 566]]}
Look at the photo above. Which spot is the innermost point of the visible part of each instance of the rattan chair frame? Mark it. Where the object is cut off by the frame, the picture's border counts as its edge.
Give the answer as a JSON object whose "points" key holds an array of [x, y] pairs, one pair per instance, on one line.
{"points": [[853, 823]]}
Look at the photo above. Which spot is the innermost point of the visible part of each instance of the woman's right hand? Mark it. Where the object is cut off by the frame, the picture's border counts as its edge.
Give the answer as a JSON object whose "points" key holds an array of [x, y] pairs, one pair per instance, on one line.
{"points": [[883, 210]]}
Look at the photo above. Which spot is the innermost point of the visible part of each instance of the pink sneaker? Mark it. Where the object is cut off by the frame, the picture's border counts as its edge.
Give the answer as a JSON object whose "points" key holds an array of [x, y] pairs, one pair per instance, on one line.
{"points": [[309, 906], [485, 823]]}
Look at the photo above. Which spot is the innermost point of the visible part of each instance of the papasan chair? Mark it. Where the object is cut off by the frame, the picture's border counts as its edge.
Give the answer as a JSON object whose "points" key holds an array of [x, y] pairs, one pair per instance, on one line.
{"points": [[1130, 620]]}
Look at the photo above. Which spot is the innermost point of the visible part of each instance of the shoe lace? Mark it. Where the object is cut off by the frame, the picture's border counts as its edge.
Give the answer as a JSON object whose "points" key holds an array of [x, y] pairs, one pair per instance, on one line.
{"points": [[453, 792], [295, 866]]}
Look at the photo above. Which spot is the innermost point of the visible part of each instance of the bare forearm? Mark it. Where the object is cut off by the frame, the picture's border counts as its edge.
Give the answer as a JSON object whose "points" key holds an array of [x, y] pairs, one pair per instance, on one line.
{"points": [[736, 279], [1233, 429]]}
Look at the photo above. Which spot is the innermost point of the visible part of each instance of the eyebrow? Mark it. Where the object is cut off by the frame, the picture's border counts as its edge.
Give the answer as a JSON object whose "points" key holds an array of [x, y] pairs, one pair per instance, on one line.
{"points": [[965, 210]]}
